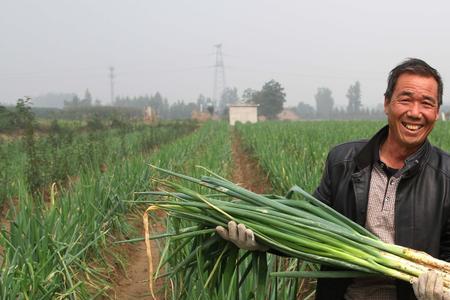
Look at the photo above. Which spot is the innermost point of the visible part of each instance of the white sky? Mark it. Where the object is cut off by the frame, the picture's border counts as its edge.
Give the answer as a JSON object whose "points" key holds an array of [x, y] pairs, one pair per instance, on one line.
{"points": [[168, 46]]}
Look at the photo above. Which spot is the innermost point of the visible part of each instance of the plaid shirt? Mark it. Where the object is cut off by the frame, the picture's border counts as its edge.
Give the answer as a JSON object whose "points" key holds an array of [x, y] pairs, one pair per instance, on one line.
{"points": [[380, 221]]}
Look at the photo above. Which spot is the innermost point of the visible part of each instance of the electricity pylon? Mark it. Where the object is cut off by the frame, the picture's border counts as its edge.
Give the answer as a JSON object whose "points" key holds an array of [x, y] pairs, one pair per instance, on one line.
{"points": [[219, 76]]}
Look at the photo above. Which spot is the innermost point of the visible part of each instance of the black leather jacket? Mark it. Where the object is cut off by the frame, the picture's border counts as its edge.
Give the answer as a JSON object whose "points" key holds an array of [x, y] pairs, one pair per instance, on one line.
{"points": [[422, 206]]}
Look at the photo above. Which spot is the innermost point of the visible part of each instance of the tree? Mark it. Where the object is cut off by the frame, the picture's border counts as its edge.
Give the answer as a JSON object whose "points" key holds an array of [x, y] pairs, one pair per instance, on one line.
{"points": [[305, 110], [25, 117], [229, 96], [270, 99], [156, 102], [324, 102], [74, 103], [248, 94], [27, 120], [7, 119], [87, 100], [180, 110], [354, 98]]}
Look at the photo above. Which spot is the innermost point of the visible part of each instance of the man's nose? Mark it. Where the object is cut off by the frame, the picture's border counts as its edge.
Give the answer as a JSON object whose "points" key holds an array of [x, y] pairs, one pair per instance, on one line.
{"points": [[414, 110]]}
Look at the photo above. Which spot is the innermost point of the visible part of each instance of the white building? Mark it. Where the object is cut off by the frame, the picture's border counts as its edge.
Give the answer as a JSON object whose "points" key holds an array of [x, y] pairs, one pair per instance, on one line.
{"points": [[243, 113]]}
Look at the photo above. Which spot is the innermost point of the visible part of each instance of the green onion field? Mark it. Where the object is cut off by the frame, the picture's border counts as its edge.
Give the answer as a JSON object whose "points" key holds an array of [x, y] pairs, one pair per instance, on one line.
{"points": [[72, 203]]}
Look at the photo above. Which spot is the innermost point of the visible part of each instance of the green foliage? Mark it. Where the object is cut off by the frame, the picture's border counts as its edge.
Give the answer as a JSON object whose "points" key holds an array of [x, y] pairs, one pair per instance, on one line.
{"points": [[294, 153], [103, 112], [64, 152], [59, 249], [12, 118], [4, 171], [118, 123], [181, 110], [209, 146], [95, 123], [156, 102], [305, 111], [270, 99], [291, 153], [26, 120], [50, 250], [7, 119], [248, 94]]}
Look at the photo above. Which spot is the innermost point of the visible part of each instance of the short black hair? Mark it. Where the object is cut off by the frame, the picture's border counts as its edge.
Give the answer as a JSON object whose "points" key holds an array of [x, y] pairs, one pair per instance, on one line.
{"points": [[414, 66]]}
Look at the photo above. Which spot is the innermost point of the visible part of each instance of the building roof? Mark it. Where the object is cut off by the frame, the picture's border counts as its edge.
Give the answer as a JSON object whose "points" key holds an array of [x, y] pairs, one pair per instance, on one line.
{"points": [[288, 114], [243, 105]]}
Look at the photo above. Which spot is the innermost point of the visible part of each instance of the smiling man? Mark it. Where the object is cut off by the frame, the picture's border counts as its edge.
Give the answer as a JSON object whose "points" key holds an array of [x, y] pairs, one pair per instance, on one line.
{"points": [[396, 184]]}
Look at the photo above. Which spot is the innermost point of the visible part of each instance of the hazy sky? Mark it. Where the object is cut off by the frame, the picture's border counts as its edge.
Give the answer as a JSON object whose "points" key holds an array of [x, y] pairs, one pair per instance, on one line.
{"points": [[168, 46]]}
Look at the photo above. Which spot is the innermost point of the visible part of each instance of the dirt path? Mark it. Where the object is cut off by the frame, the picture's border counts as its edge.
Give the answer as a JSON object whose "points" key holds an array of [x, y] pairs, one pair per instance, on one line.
{"points": [[246, 172], [134, 283]]}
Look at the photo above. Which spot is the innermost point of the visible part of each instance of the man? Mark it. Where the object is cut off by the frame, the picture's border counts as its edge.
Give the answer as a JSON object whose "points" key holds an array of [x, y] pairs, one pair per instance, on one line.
{"points": [[396, 184]]}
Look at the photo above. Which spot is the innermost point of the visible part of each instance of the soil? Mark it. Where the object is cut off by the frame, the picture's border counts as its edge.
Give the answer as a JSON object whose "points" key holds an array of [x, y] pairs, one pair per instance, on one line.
{"points": [[134, 284], [246, 170]]}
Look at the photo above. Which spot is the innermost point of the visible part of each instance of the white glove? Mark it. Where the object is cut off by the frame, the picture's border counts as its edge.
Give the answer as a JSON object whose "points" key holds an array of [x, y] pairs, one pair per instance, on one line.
{"points": [[430, 286], [240, 236]]}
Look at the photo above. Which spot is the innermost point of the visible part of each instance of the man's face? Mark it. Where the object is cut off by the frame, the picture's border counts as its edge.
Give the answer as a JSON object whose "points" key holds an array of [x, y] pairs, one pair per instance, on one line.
{"points": [[412, 111]]}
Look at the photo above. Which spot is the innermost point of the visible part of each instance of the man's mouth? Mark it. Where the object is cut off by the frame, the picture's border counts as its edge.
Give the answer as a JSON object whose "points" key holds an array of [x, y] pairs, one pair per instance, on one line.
{"points": [[412, 127]]}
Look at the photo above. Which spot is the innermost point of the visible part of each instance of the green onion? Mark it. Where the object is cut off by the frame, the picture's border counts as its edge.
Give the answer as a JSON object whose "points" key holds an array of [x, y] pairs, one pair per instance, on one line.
{"points": [[303, 228]]}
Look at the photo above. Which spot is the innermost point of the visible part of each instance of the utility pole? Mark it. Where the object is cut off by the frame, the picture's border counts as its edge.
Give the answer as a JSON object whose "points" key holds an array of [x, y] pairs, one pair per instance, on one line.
{"points": [[219, 75], [111, 77]]}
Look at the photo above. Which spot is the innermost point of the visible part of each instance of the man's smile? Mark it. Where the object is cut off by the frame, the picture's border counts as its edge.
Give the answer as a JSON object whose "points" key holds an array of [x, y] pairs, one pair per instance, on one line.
{"points": [[412, 127]]}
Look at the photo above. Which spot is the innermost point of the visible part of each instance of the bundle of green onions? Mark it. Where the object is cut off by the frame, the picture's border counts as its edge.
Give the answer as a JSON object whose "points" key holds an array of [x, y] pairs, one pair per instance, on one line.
{"points": [[303, 228]]}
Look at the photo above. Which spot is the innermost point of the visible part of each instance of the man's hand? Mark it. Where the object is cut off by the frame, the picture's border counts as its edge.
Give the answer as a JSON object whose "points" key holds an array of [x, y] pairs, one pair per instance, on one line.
{"points": [[240, 236], [430, 286]]}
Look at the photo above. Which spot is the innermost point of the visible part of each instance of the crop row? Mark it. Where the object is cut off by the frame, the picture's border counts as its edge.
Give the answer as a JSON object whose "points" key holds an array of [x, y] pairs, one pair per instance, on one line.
{"points": [[37, 162], [61, 248], [295, 154]]}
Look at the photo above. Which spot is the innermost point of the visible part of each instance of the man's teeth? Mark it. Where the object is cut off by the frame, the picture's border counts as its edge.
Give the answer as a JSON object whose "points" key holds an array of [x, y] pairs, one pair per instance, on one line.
{"points": [[412, 127]]}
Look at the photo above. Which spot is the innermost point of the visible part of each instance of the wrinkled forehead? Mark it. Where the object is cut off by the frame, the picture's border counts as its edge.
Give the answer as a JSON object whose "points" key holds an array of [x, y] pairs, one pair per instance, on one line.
{"points": [[418, 84]]}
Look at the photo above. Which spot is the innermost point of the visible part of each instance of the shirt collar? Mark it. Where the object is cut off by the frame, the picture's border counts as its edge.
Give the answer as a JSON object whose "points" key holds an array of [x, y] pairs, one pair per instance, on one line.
{"points": [[370, 153]]}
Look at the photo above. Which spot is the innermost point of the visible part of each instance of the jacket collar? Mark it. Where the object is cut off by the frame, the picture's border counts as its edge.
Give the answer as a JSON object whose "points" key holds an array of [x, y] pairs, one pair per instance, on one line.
{"points": [[365, 157]]}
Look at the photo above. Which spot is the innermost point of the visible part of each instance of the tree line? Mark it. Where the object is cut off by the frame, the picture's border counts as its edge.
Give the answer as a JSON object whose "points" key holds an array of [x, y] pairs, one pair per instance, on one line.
{"points": [[270, 99], [326, 109]]}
